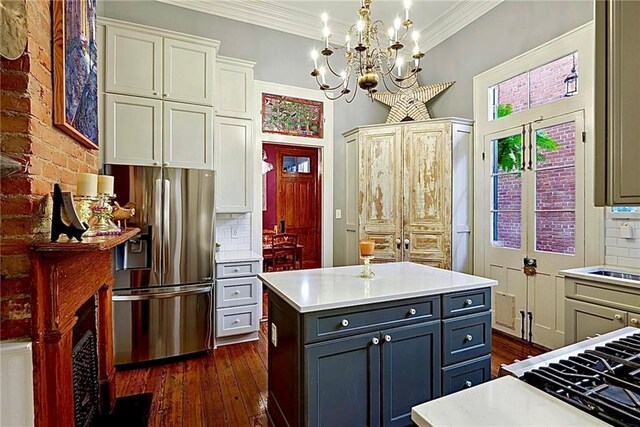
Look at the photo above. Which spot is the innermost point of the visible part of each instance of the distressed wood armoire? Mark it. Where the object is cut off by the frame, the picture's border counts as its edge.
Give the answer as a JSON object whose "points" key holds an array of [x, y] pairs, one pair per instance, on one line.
{"points": [[409, 189]]}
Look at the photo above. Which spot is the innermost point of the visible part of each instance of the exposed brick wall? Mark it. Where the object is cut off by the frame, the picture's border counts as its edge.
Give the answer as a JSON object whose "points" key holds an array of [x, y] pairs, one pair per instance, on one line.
{"points": [[27, 132]]}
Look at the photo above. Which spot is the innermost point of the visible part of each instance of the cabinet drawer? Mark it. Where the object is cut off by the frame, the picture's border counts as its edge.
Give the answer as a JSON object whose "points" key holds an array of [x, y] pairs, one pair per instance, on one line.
{"points": [[466, 337], [466, 374], [236, 269], [349, 321], [233, 292], [466, 302], [236, 320]]}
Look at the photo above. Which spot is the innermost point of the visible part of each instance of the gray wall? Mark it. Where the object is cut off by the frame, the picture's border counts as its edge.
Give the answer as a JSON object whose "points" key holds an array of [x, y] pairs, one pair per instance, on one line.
{"points": [[280, 58], [508, 30]]}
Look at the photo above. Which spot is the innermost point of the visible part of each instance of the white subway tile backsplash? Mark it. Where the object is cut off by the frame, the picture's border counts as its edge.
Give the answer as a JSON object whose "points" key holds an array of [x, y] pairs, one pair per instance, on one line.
{"points": [[242, 223], [619, 251]]}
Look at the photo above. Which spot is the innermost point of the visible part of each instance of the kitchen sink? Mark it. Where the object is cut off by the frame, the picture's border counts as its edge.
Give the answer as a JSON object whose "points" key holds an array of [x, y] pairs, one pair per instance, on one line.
{"points": [[617, 274]]}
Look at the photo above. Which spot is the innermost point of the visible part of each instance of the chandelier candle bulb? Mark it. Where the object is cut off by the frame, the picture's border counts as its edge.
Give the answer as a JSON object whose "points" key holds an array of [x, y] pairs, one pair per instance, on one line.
{"points": [[87, 184], [105, 184], [314, 56], [407, 5], [396, 25], [322, 72]]}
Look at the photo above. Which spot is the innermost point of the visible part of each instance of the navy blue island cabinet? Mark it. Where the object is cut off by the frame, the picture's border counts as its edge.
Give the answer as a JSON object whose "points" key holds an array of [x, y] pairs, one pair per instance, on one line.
{"points": [[368, 365]]}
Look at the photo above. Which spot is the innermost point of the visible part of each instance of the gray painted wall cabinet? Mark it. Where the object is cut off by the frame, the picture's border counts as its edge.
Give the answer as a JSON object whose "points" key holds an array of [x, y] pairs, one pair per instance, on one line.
{"points": [[617, 103]]}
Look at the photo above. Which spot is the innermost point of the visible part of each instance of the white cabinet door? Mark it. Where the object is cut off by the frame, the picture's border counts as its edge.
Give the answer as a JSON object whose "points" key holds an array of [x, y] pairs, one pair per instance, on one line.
{"points": [[188, 72], [133, 62], [133, 130], [234, 92], [588, 320], [188, 136], [234, 160]]}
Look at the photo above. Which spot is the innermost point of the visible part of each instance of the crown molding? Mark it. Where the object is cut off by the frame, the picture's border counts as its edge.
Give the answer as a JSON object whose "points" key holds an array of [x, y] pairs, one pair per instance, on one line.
{"points": [[454, 19], [300, 22]]}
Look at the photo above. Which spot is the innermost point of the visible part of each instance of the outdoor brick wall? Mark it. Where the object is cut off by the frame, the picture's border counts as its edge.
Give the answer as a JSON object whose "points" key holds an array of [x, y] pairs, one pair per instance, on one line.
{"points": [[27, 132], [555, 231]]}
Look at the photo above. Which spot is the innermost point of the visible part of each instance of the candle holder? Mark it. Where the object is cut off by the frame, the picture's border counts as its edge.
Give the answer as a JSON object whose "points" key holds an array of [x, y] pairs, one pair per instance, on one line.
{"points": [[366, 272], [100, 223]]}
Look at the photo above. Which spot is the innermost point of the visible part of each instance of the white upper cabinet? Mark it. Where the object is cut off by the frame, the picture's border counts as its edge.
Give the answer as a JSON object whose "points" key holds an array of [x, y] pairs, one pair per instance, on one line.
{"points": [[133, 62], [188, 136], [133, 130], [234, 88], [188, 72], [234, 160]]}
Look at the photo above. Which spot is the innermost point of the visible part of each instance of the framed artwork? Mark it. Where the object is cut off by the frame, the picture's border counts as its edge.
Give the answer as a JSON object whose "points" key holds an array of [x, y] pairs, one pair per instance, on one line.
{"points": [[286, 115], [75, 76]]}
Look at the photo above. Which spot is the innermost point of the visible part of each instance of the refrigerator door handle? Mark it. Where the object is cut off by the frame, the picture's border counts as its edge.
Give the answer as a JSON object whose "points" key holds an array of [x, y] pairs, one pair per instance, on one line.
{"points": [[156, 258], [166, 224], [134, 296]]}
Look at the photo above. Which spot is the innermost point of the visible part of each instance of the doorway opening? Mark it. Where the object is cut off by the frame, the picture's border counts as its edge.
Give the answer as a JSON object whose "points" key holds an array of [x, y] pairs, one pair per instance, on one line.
{"points": [[291, 206]]}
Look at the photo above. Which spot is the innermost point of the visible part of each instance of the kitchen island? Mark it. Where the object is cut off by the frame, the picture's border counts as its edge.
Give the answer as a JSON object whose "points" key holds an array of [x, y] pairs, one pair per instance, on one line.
{"points": [[347, 351]]}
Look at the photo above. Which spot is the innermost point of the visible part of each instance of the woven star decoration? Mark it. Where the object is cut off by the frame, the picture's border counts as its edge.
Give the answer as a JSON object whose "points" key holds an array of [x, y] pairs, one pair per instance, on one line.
{"points": [[412, 102]]}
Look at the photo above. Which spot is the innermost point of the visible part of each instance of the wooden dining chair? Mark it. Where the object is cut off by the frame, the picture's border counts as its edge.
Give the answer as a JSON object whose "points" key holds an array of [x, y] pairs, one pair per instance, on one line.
{"points": [[284, 251], [267, 251]]}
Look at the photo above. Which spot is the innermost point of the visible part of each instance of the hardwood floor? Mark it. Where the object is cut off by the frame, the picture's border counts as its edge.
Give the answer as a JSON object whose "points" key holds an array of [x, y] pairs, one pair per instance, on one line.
{"points": [[229, 387]]}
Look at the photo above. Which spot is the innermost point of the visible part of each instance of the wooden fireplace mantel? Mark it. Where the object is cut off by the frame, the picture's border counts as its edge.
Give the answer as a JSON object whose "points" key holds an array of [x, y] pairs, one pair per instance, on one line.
{"points": [[64, 276]]}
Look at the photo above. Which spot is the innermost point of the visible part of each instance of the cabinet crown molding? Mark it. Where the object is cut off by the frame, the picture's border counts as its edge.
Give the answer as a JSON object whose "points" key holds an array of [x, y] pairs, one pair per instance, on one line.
{"points": [[454, 120]]}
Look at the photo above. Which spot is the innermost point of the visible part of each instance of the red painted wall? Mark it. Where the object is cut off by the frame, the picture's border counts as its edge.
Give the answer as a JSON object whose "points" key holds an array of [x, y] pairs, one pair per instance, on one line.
{"points": [[269, 216]]}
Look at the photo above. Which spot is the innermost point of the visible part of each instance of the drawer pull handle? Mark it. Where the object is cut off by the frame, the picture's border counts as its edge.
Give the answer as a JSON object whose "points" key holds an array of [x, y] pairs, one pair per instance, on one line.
{"points": [[618, 317], [387, 338], [412, 312], [235, 322], [468, 302], [375, 341], [344, 322], [236, 293], [467, 384], [469, 337], [634, 321], [236, 269]]}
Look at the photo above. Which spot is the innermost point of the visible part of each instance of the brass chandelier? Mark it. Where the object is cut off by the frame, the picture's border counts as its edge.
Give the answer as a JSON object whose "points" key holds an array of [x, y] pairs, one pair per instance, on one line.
{"points": [[372, 54]]}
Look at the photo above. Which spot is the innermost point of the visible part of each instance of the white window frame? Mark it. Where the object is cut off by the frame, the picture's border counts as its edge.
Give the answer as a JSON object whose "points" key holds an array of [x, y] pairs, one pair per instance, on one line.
{"points": [[325, 144], [580, 40]]}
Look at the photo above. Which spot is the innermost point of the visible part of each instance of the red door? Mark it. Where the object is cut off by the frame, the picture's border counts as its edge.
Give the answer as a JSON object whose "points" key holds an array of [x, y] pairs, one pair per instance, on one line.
{"points": [[298, 200]]}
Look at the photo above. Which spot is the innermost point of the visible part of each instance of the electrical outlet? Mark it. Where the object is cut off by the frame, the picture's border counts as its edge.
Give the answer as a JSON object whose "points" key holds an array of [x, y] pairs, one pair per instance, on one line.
{"points": [[235, 233], [274, 335], [338, 213]]}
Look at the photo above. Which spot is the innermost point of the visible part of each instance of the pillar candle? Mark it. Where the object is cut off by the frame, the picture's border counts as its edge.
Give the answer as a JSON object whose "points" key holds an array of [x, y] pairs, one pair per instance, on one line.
{"points": [[87, 184], [105, 184], [366, 247]]}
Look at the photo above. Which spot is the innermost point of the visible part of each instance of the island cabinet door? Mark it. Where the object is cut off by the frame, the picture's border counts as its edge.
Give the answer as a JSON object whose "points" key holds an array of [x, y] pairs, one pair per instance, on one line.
{"points": [[410, 370], [343, 382]]}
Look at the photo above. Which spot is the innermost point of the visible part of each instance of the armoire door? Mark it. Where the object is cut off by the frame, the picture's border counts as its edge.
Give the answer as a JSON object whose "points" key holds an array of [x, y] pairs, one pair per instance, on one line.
{"points": [[427, 194], [380, 194]]}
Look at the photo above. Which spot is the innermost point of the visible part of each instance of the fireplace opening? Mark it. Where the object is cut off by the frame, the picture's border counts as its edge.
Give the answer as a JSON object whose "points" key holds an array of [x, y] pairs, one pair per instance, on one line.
{"points": [[85, 365]]}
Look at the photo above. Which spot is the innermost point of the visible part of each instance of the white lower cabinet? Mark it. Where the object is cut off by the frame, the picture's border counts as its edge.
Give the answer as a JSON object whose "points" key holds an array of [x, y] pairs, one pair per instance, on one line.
{"points": [[238, 298]]}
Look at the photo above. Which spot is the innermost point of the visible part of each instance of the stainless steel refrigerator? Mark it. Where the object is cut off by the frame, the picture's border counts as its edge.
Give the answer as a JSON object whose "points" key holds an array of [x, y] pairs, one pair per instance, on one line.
{"points": [[163, 293]]}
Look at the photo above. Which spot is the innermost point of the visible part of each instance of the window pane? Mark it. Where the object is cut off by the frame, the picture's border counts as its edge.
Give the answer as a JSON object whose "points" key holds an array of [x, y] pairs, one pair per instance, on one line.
{"points": [[547, 81], [510, 96], [507, 154], [556, 232], [507, 192], [291, 164], [556, 145], [556, 189], [507, 229]]}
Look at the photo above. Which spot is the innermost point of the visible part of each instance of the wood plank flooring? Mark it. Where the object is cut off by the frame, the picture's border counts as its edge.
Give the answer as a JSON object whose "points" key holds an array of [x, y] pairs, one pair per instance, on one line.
{"points": [[229, 387]]}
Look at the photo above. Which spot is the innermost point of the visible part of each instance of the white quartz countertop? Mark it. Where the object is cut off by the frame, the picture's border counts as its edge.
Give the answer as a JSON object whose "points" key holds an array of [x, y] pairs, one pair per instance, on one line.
{"points": [[506, 401], [328, 288], [587, 273], [237, 256]]}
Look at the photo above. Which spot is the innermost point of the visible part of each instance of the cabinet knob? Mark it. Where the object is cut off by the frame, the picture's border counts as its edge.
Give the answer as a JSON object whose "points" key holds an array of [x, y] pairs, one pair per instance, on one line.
{"points": [[387, 338], [156, 163], [634, 321], [618, 317], [375, 341], [236, 269], [165, 164], [412, 312], [155, 93], [164, 95], [468, 302], [468, 337], [235, 322], [467, 384], [344, 322], [236, 293]]}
